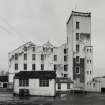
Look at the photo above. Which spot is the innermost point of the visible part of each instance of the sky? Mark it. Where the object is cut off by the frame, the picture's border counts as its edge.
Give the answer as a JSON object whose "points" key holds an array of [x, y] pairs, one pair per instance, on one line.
{"points": [[38, 21]]}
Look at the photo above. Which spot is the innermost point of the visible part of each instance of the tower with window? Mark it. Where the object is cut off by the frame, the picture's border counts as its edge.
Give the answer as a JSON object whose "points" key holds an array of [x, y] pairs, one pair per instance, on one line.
{"points": [[79, 40]]}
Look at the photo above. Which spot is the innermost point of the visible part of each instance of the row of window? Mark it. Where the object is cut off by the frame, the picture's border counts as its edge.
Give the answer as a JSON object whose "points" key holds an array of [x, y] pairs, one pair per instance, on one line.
{"points": [[25, 83], [65, 67], [42, 83], [89, 61], [42, 67], [89, 72], [42, 57], [59, 85]]}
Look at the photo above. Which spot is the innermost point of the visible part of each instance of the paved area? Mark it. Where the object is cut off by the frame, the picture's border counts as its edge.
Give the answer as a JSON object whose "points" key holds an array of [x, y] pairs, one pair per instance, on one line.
{"points": [[86, 99]]}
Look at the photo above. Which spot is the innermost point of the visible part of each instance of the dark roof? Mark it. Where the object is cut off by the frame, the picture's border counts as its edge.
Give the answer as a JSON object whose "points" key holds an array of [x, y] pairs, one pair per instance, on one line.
{"points": [[3, 78], [63, 80], [35, 74]]}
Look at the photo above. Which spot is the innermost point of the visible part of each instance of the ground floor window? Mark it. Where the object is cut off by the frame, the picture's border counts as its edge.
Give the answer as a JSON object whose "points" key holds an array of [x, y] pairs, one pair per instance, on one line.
{"points": [[23, 82], [68, 85], [44, 83], [59, 86]]}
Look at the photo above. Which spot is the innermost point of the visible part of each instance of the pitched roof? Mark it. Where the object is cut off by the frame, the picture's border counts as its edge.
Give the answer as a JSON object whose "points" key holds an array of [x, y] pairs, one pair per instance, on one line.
{"points": [[35, 74], [48, 44], [3, 78]]}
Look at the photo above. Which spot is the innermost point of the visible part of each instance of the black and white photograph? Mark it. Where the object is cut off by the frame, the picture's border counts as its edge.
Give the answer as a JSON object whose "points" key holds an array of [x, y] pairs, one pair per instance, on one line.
{"points": [[52, 52]]}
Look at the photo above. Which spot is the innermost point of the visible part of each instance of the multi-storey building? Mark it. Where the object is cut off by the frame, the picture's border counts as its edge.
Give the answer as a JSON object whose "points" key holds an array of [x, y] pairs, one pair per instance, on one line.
{"points": [[80, 59], [73, 59], [30, 57]]}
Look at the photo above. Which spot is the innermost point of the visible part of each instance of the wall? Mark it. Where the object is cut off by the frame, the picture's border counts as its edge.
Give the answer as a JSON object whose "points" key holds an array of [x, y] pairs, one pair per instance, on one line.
{"points": [[34, 88]]}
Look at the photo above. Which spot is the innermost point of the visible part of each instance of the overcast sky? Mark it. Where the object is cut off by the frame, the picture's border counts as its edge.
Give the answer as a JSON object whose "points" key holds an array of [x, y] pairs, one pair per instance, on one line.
{"points": [[42, 20]]}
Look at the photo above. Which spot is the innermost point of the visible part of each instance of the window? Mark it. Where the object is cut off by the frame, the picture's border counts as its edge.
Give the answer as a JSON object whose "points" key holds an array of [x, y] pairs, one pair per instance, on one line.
{"points": [[33, 49], [55, 57], [90, 72], [51, 49], [77, 58], [33, 56], [87, 61], [65, 58], [25, 56], [44, 49], [33, 67], [77, 48], [25, 66], [55, 67], [68, 85], [87, 72], [25, 48], [65, 75], [65, 67], [77, 69], [65, 51], [77, 36], [16, 56], [59, 86], [87, 50], [44, 83], [16, 66], [42, 66], [23, 82], [42, 57], [93, 84], [90, 61], [77, 25]]}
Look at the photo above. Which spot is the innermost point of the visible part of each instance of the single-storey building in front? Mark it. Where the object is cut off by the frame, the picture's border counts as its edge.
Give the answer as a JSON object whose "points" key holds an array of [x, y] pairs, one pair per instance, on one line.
{"points": [[41, 83], [63, 85]]}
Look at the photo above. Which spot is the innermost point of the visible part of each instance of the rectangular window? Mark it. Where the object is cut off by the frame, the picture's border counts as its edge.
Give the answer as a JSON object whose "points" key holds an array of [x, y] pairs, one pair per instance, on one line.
{"points": [[55, 67], [23, 82], [16, 56], [77, 25], [42, 66], [16, 66], [65, 51], [25, 56], [25, 48], [42, 57], [51, 49], [33, 67], [77, 70], [77, 36], [25, 66], [44, 83], [59, 86], [68, 85], [55, 57], [33, 49], [65, 58], [65, 75], [33, 56], [65, 67], [77, 48], [77, 58]]}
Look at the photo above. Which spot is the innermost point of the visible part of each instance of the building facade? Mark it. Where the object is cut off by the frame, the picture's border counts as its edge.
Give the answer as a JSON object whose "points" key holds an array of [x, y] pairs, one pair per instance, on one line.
{"points": [[80, 51], [73, 59], [30, 57]]}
